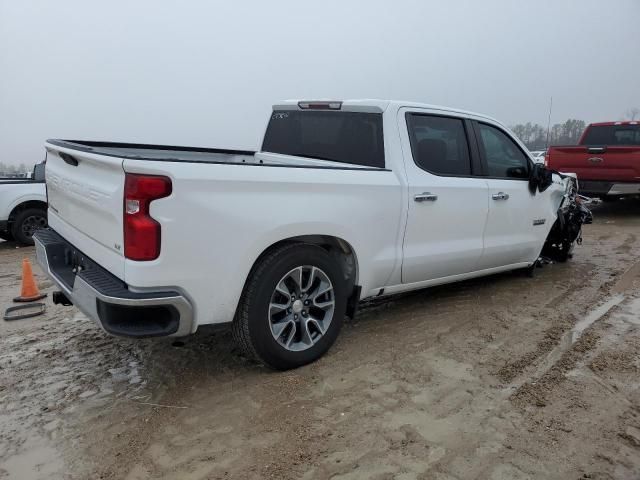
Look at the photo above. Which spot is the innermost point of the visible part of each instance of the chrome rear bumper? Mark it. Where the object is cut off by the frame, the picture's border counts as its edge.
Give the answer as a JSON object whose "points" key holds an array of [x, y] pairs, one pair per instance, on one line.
{"points": [[625, 189], [602, 188], [106, 299]]}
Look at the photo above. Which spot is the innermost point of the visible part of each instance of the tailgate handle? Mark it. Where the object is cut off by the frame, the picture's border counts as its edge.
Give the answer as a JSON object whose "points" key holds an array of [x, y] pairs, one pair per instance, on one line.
{"points": [[597, 149], [69, 159]]}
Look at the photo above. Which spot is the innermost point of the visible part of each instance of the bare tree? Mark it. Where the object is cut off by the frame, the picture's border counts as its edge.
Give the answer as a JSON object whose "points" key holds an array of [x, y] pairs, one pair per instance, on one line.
{"points": [[632, 113], [534, 136]]}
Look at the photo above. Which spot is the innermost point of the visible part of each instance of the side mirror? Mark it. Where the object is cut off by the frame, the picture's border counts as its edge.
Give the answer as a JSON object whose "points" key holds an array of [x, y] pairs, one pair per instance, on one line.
{"points": [[535, 170], [38, 172], [540, 178]]}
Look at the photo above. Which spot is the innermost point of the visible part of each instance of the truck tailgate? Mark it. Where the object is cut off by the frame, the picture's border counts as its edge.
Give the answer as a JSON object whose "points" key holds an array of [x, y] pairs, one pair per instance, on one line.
{"points": [[612, 163], [85, 194]]}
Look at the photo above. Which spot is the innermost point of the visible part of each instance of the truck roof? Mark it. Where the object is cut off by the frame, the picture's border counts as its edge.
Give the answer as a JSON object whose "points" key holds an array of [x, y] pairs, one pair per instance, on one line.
{"points": [[374, 105], [606, 124]]}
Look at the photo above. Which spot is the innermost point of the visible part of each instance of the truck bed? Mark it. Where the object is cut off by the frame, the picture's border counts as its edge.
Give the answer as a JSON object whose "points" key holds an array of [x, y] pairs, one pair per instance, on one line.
{"points": [[213, 189], [18, 181], [171, 153], [167, 153]]}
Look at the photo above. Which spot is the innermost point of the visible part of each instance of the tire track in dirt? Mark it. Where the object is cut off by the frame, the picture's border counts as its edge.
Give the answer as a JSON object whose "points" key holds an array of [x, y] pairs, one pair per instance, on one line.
{"points": [[410, 390], [568, 352], [627, 244], [535, 392], [627, 279], [550, 339], [555, 343]]}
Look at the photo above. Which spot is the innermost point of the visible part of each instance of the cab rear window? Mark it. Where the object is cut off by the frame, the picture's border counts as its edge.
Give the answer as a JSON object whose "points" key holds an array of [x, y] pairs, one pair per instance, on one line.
{"points": [[612, 135], [338, 136]]}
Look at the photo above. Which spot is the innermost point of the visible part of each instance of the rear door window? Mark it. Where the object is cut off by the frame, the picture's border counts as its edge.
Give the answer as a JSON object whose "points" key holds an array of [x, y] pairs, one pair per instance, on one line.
{"points": [[338, 136], [503, 156], [439, 144]]}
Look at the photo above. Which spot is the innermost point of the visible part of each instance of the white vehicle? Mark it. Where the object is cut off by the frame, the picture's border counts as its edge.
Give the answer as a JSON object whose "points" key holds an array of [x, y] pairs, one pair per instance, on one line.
{"points": [[345, 201], [23, 206], [538, 156]]}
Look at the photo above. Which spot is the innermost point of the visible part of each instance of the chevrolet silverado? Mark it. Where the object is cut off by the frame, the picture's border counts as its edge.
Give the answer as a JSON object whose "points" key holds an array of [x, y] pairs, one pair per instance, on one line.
{"points": [[346, 200]]}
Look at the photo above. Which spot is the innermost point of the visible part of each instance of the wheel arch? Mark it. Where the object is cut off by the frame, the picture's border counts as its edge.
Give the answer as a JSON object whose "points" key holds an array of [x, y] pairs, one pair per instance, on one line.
{"points": [[338, 248], [23, 205]]}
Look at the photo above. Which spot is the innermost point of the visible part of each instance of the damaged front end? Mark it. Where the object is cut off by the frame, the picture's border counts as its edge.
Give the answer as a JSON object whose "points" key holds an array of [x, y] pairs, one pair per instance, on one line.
{"points": [[567, 229]]}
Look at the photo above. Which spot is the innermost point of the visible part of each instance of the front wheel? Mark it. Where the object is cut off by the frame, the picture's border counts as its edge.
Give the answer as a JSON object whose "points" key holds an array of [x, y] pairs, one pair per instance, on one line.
{"points": [[26, 223], [292, 307], [566, 251]]}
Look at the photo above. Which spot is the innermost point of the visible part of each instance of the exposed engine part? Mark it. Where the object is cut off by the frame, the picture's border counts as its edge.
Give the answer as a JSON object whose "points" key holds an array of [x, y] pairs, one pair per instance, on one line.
{"points": [[567, 228]]}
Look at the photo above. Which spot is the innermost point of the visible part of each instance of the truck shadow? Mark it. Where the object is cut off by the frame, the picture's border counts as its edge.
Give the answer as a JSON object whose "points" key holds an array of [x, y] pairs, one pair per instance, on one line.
{"points": [[209, 357], [211, 354], [5, 245], [13, 245], [623, 208]]}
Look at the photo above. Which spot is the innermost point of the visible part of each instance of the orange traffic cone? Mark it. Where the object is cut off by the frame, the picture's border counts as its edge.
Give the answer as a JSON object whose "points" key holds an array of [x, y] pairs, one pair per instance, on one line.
{"points": [[30, 290]]}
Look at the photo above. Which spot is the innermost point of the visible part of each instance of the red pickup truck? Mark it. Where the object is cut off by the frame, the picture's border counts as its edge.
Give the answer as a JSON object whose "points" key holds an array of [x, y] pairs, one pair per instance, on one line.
{"points": [[606, 159]]}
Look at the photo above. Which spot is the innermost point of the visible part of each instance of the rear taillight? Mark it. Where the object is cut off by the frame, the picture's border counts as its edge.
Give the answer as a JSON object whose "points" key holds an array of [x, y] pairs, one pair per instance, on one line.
{"points": [[141, 231], [546, 159]]}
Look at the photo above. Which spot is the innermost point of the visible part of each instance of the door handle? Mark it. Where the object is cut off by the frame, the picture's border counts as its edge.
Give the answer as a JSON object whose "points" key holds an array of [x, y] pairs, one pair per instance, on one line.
{"points": [[500, 196], [425, 197]]}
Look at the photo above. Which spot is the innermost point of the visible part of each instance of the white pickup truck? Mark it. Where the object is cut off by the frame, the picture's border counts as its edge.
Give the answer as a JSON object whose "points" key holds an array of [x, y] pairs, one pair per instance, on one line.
{"points": [[346, 200], [23, 206]]}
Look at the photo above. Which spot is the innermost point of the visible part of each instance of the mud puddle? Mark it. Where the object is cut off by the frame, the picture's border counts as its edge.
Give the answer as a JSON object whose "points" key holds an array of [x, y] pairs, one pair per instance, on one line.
{"points": [[410, 389], [38, 459]]}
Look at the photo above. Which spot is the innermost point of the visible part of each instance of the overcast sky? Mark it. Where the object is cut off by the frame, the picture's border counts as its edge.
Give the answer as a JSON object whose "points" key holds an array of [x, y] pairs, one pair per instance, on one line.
{"points": [[203, 73]]}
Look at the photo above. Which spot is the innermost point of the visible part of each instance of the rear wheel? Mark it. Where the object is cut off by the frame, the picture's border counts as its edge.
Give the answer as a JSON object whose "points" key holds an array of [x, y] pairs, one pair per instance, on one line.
{"points": [[292, 308], [25, 224]]}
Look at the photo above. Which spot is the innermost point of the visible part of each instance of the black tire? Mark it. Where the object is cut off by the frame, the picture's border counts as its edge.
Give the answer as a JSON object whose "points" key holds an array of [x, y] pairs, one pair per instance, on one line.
{"points": [[6, 236], [26, 222], [531, 271], [566, 252], [251, 325]]}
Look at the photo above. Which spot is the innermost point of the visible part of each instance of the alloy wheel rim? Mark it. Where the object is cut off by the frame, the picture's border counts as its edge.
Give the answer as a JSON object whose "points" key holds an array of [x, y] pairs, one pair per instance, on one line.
{"points": [[301, 308], [33, 223]]}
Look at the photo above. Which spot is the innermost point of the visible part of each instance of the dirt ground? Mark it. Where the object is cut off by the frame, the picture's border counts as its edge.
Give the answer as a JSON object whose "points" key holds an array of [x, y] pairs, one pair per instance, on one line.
{"points": [[505, 377]]}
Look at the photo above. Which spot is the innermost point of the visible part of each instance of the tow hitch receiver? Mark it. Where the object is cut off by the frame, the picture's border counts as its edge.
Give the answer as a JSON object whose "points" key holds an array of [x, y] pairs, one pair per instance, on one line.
{"points": [[59, 298]]}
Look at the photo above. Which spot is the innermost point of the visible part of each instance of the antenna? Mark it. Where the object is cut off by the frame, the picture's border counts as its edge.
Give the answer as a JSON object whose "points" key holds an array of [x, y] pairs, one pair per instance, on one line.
{"points": [[549, 120]]}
